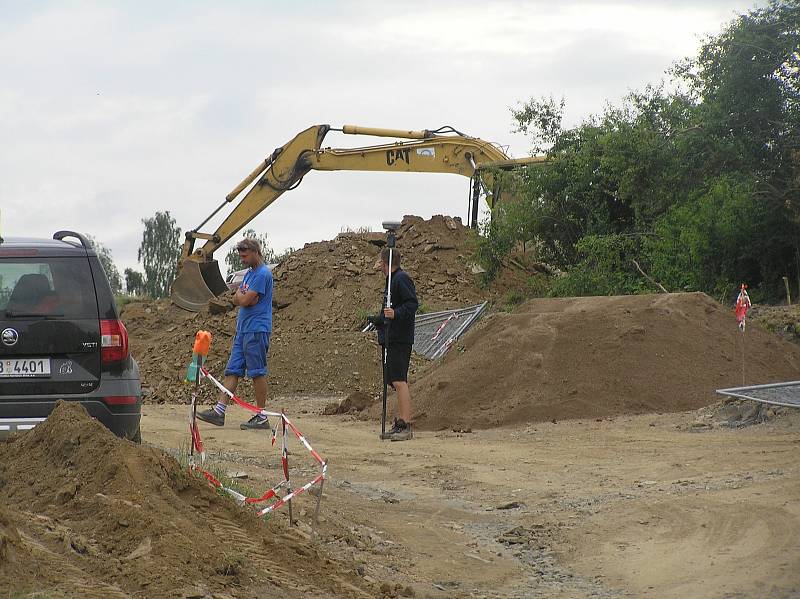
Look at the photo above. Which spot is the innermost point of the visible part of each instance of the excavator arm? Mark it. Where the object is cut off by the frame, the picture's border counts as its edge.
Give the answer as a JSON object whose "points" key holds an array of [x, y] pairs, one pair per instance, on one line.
{"points": [[199, 278]]}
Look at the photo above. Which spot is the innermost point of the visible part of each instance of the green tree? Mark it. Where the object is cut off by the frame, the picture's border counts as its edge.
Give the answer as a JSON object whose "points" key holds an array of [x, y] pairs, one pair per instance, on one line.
{"points": [[134, 282], [714, 240], [107, 262], [700, 186], [232, 259], [541, 120], [159, 253], [746, 82]]}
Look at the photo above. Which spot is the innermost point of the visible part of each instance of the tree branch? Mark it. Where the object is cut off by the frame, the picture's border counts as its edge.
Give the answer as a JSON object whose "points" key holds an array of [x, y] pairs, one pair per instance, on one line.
{"points": [[646, 276]]}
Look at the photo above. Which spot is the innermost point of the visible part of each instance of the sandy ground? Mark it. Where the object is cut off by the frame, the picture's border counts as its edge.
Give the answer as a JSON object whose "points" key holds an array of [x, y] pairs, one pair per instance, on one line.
{"points": [[640, 506]]}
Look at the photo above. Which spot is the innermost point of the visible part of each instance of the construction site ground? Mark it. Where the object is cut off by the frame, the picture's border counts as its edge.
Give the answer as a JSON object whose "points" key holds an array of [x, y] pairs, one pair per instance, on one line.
{"points": [[563, 448], [637, 506]]}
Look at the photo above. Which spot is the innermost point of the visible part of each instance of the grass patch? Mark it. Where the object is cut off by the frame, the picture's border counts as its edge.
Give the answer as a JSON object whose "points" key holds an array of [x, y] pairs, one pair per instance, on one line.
{"points": [[217, 470], [512, 299]]}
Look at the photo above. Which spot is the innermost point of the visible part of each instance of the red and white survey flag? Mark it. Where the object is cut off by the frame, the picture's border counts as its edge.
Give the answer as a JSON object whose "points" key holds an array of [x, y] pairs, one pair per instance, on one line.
{"points": [[742, 306]]}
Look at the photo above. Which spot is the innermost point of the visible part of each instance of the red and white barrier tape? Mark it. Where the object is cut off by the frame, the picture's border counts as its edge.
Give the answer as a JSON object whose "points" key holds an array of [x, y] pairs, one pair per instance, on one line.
{"points": [[194, 432], [197, 445], [442, 326], [291, 496]]}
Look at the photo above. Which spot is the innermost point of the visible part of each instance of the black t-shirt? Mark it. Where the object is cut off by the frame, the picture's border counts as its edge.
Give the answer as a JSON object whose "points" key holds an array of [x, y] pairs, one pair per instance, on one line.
{"points": [[404, 302]]}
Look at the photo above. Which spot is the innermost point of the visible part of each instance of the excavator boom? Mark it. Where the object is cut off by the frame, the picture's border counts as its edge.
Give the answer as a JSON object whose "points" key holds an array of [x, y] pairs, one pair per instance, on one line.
{"points": [[199, 278]]}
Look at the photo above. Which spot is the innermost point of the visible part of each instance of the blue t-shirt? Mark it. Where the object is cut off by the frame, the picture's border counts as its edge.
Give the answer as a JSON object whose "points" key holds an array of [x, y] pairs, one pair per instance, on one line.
{"points": [[258, 317]]}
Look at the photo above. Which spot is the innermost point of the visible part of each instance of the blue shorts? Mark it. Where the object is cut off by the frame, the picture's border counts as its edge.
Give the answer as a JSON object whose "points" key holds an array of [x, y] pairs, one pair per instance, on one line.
{"points": [[249, 354]]}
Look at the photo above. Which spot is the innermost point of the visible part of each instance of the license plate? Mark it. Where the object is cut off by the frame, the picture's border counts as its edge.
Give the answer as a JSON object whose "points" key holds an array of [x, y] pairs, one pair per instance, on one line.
{"points": [[25, 367]]}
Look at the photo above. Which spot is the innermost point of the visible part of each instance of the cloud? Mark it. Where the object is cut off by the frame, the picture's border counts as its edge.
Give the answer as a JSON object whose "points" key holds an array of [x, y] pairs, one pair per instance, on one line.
{"points": [[110, 111]]}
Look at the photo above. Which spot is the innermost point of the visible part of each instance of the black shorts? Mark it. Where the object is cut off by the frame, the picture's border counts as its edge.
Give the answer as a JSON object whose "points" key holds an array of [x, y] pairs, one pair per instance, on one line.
{"points": [[397, 360]]}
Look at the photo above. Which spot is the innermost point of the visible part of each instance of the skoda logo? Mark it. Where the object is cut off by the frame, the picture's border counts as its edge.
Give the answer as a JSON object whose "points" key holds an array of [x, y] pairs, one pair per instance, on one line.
{"points": [[10, 337]]}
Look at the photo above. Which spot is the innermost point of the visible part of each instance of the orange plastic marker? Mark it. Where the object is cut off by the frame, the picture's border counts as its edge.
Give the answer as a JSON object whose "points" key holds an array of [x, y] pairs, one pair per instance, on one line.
{"points": [[202, 343]]}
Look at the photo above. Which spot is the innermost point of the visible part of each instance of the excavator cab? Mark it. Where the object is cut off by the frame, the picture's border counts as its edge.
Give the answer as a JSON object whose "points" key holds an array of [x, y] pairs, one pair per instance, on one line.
{"points": [[196, 283]]}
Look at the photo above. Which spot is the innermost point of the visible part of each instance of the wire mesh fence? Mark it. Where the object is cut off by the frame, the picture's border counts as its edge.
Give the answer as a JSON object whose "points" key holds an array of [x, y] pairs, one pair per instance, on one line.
{"points": [[435, 332]]}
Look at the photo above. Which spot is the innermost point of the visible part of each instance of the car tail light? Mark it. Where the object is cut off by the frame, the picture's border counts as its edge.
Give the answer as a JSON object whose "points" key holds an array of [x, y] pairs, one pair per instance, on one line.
{"points": [[119, 400], [113, 341]]}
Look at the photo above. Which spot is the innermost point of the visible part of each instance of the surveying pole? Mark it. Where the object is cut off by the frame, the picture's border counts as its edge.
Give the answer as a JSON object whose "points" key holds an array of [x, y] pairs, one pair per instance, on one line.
{"points": [[391, 241]]}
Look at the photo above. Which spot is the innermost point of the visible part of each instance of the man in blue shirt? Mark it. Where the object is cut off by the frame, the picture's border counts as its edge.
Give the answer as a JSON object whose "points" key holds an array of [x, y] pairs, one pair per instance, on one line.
{"points": [[251, 343]]}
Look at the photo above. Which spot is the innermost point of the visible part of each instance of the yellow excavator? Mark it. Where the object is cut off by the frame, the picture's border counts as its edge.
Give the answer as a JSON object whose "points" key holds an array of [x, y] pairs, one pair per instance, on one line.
{"points": [[443, 150]]}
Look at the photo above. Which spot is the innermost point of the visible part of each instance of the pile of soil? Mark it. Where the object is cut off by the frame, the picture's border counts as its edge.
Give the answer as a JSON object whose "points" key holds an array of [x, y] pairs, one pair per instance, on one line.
{"points": [[322, 295], [596, 357], [91, 515], [352, 404], [784, 321]]}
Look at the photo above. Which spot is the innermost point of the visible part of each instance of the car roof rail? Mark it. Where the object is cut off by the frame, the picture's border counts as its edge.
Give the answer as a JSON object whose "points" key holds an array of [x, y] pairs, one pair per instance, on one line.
{"points": [[60, 235]]}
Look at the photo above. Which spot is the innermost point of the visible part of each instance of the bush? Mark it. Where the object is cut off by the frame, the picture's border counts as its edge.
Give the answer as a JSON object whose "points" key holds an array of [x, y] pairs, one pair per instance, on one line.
{"points": [[605, 267], [711, 243]]}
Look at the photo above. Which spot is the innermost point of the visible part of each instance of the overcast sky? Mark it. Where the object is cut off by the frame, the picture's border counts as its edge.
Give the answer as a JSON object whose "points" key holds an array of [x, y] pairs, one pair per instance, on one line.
{"points": [[110, 111]]}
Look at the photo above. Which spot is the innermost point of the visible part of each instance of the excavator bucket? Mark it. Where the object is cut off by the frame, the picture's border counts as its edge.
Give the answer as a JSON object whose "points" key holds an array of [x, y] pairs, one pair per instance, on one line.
{"points": [[196, 283]]}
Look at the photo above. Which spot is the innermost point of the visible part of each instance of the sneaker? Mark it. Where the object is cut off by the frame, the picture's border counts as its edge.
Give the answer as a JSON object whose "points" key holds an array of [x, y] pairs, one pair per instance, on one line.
{"points": [[401, 432], [212, 417], [395, 428], [256, 423]]}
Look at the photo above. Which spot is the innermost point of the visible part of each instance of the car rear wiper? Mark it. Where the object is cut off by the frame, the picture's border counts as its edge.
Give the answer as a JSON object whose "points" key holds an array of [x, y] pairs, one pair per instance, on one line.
{"points": [[21, 314]]}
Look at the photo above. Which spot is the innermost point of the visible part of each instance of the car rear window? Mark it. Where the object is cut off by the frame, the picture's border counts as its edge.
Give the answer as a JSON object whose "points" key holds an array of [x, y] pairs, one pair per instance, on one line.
{"points": [[56, 287]]}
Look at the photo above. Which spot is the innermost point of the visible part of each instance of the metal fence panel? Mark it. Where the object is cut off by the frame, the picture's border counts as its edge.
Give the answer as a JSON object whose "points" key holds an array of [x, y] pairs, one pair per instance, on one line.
{"points": [[779, 394], [435, 332]]}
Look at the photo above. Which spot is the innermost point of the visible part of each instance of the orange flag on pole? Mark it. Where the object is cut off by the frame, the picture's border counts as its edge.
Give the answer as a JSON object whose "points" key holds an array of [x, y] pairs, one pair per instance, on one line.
{"points": [[742, 306]]}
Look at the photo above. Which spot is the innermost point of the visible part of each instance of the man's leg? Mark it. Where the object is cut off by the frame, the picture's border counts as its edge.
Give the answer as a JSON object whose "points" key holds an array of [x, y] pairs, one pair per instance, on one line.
{"points": [[398, 358], [397, 365], [256, 347], [236, 364], [231, 382], [260, 388], [402, 426], [403, 400]]}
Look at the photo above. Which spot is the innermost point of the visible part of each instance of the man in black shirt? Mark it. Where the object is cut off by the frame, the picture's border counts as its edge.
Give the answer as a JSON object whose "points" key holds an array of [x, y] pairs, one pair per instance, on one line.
{"points": [[396, 333]]}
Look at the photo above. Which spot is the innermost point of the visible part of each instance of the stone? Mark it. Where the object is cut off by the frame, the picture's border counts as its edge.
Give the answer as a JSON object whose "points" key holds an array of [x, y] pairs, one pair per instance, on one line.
{"points": [[218, 305], [194, 593], [144, 549], [67, 492], [511, 505], [280, 303]]}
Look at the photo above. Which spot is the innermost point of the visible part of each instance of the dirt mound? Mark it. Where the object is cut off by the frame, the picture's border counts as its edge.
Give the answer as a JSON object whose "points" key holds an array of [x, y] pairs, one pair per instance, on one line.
{"points": [[352, 404], [323, 293], [10, 540], [102, 517], [594, 357]]}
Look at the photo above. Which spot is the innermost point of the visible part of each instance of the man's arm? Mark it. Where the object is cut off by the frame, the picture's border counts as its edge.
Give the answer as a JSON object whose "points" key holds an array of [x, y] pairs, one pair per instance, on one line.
{"points": [[408, 304], [256, 283], [245, 298]]}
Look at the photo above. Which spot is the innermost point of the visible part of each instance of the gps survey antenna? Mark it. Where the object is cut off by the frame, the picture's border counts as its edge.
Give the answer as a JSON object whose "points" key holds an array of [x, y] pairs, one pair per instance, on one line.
{"points": [[391, 241]]}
